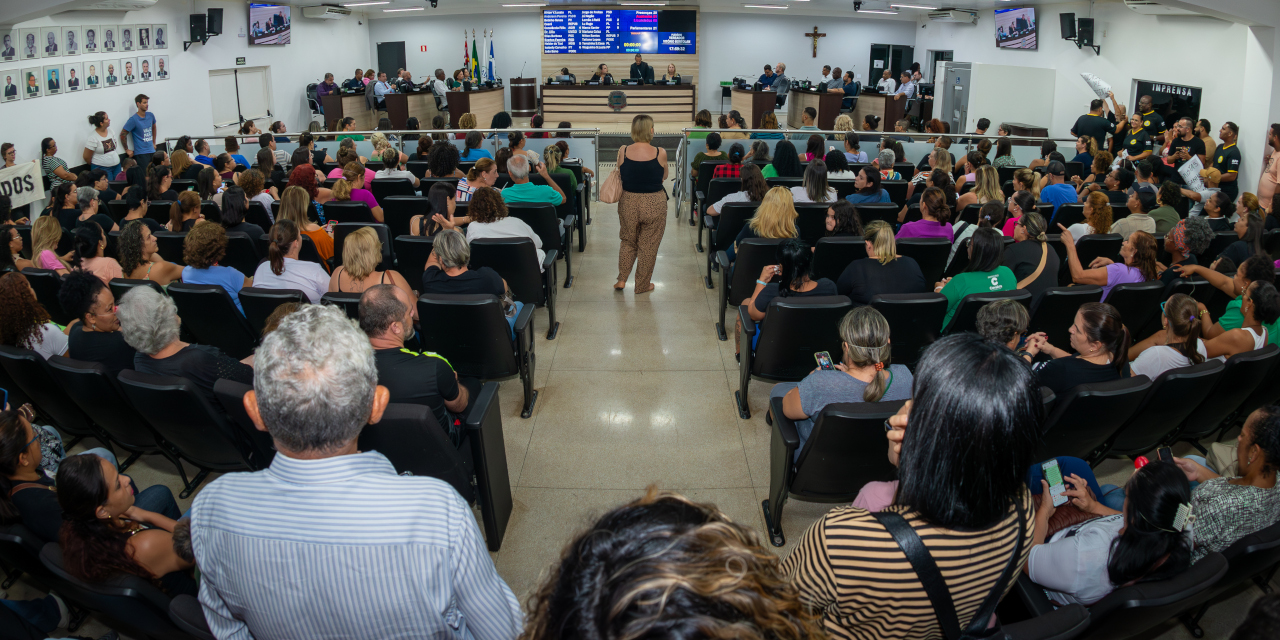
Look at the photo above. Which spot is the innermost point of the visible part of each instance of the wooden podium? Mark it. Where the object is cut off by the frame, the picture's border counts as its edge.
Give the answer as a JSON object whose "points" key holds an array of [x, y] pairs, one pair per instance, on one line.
{"points": [[753, 104], [894, 110], [339, 106], [825, 103], [524, 97], [419, 104]]}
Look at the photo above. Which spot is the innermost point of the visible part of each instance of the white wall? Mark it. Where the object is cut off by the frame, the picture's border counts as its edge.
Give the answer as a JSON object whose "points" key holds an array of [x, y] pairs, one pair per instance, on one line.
{"points": [[181, 104]]}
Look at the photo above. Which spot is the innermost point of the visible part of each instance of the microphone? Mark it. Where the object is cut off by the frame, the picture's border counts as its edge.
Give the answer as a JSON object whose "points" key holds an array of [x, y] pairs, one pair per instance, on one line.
{"points": [[522, 68]]}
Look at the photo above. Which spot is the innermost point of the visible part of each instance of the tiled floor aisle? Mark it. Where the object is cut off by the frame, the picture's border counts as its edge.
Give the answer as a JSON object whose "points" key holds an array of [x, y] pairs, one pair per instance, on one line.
{"points": [[637, 390]]}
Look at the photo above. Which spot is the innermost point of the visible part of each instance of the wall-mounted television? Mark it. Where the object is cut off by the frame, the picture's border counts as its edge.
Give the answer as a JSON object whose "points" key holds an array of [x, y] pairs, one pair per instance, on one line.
{"points": [[1016, 28], [619, 31], [269, 23]]}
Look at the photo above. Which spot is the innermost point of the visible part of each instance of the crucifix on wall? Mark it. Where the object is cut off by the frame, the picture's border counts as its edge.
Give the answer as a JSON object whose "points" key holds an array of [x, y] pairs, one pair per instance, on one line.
{"points": [[815, 35]]}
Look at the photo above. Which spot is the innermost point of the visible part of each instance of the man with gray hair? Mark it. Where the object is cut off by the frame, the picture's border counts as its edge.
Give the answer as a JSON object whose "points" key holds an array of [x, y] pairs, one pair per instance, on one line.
{"points": [[329, 539], [386, 316], [522, 190], [87, 200], [440, 87], [884, 162], [781, 83]]}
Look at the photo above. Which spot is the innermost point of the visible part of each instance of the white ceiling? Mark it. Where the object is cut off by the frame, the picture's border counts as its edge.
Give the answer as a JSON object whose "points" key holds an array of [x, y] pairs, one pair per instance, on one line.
{"points": [[795, 7]]}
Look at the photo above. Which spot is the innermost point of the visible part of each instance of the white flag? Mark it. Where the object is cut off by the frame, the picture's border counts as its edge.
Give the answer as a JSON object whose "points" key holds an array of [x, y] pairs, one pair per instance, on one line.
{"points": [[1098, 85], [22, 183]]}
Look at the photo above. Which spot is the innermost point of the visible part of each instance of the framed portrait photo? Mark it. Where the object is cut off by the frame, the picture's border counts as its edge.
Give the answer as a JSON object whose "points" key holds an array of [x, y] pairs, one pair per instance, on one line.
{"points": [[10, 40], [92, 37], [72, 41], [144, 37], [12, 90], [130, 73], [146, 68], [31, 87], [111, 72], [159, 36], [108, 34], [127, 42], [28, 49], [93, 75], [50, 41], [162, 67], [73, 77], [53, 79]]}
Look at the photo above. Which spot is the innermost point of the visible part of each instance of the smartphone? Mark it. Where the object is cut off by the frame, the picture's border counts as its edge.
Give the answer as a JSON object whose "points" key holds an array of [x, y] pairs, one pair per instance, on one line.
{"points": [[824, 360], [1053, 475], [1164, 454]]}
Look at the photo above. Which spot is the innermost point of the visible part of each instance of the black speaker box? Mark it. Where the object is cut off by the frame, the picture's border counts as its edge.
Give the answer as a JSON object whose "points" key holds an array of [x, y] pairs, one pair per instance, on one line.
{"points": [[215, 22], [1084, 31], [1068, 21], [197, 27]]}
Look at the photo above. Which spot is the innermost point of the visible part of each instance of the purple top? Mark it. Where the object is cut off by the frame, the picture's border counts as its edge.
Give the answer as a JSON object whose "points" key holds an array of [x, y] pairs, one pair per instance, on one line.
{"points": [[325, 88], [927, 229], [365, 196], [1120, 273]]}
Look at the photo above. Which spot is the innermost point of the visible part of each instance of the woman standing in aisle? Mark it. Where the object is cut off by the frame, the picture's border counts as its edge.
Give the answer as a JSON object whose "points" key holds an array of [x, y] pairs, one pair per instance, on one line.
{"points": [[642, 210]]}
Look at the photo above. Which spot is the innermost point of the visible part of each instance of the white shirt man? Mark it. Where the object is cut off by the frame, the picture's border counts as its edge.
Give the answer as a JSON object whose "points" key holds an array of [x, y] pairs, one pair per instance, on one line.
{"points": [[886, 84]]}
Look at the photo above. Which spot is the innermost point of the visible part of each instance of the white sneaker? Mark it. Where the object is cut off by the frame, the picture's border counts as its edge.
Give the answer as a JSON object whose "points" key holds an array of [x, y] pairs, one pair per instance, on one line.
{"points": [[64, 614]]}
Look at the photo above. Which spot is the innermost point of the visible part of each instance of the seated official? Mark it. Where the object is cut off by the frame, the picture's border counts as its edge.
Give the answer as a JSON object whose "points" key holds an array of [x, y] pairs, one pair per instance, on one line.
{"points": [[950, 499], [602, 75], [394, 169], [361, 257], [1144, 543], [523, 190], [386, 316], [447, 273], [139, 255], [283, 269], [1138, 253], [202, 249], [1176, 345], [883, 271], [97, 337], [864, 374], [380, 89], [101, 516], [1101, 345], [640, 70], [984, 273], [752, 189], [906, 87], [149, 322], [674, 78], [318, 390]]}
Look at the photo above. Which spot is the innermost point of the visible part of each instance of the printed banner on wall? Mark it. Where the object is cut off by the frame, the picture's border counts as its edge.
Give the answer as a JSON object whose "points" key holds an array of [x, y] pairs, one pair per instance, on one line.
{"points": [[22, 183]]}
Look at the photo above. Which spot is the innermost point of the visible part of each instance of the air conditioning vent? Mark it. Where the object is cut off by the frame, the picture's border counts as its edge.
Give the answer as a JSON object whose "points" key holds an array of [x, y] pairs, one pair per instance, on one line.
{"points": [[952, 15], [325, 12], [1149, 8], [116, 5]]}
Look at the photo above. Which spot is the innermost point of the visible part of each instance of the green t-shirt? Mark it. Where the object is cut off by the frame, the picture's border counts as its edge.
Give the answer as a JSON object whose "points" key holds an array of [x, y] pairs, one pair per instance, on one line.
{"points": [[573, 180], [356, 137], [703, 157], [769, 171], [699, 135], [963, 284], [1233, 319], [1166, 218]]}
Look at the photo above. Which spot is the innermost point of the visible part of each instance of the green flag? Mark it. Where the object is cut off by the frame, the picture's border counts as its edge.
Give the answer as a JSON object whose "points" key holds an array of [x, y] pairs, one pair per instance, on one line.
{"points": [[475, 60]]}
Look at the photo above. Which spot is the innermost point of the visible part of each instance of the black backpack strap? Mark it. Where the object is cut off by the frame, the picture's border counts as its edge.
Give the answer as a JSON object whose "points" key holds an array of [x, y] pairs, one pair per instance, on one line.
{"points": [[978, 625], [926, 570]]}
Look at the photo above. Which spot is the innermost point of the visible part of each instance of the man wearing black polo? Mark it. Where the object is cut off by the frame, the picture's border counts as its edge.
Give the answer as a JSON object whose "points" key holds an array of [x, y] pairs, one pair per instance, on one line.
{"points": [[1152, 122], [641, 70], [1183, 144], [1227, 160], [1097, 124]]}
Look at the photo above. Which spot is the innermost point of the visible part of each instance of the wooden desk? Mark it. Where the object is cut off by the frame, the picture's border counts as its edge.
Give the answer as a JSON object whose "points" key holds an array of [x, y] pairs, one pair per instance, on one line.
{"points": [[671, 103], [481, 103], [1020, 129], [826, 104], [339, 106], [754, 104], [419, 104], [889, 111]]}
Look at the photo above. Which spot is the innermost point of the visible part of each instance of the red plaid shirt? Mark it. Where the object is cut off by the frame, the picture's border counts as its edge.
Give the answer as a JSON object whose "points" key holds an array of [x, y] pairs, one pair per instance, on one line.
{"points": [[728, 171]]}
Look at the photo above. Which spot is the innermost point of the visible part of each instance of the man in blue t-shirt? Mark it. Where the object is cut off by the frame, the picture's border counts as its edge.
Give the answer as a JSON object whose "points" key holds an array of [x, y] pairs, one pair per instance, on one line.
{"points": [[1058, 193], [141, 127]]}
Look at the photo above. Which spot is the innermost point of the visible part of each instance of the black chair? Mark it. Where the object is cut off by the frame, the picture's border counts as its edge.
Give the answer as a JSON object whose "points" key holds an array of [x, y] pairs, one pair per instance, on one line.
{"points": [[188, 426], [259, 304], [542, 219], [1173, 396], [158, 210], [1055, 310], [516, 260], [1133, 610], [117, 209], [46, 283], [412, 253], [1253, 557], [714, 191], [886, 211], [1063, 623], [169, 245], [753, 254], [209, 313], [905, 169], [120, 286], [915, 321], [969, 213], [1137, 302], [182, 184], [700, 186], [843, 188], [965, 317], [426, 183], [1085, 418], [387, 187], [1069, 214], [416, 445], [845, 451], [793, 329], [1090, 247], [94, 390], [1221, 240], [930, 253], [832, 255], [897, 191], [187, 614], [20, 555], [471, 332], [778, 181], [31, 373], [417, 167], [1242, 374], [242, 253], [258, 214], [127, 603], [1267, 392], [724, 230], [209, 209], [348, 211], [344, 229], [230, 396], [811, 222], [398, 211], [350, 302]]}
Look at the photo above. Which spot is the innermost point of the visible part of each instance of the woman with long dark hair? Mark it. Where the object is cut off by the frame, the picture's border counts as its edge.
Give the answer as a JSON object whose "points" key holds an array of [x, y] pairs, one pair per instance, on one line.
{"points": [[814, 188], [1144, 543], [786, 164], [969, 395], [986, 271], [1138, 253], [1101, 345], [104, 534], [235, 204], [89, 246], [843, 220], [159, 184], [1004, 154], [283, 269], [813, 147], [867, 183], [791, 277], [753, 189], [1250, 228], [443, 201]]}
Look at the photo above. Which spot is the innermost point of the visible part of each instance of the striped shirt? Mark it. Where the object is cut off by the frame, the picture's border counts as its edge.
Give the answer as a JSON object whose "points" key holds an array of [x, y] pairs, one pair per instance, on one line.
{"points": [[850, 568], [343, 547]]}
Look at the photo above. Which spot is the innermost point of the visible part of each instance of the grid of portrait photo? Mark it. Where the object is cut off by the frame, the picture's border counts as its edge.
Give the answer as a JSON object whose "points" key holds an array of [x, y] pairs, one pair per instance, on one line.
{"points": [[142, 51]]}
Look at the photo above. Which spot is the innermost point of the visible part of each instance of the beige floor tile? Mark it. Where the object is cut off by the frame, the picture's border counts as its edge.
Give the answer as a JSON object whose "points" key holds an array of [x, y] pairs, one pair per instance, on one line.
{"points": [[636, 335]]}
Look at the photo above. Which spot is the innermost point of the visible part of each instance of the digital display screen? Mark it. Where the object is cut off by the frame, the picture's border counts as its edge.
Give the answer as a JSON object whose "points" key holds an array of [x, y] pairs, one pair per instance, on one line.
{"points": [[269, 24], [1016, 28], [618, 31]]}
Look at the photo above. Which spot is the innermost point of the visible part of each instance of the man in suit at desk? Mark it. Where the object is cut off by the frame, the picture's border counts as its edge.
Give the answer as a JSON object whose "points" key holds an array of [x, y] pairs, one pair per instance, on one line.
{"points": [[641, 70], [380, 89]]}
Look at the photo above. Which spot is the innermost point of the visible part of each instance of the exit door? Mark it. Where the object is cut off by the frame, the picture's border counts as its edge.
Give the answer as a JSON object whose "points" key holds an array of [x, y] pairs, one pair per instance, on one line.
{"points": [[953, 90], [893, 57], [390, 58]]}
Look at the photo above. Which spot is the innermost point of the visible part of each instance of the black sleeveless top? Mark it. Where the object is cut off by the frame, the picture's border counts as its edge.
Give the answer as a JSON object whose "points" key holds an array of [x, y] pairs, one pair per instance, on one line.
{"points": [[640, 176]]}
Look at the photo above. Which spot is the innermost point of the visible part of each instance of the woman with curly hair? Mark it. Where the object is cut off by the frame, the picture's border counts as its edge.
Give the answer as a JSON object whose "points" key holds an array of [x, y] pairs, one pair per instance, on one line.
{"points": [[489, 219], [23, 321], [139, 256], [442, 161], [105, 534], [1138, 253], [97, 337], [203, 247], [304, 176], [665, 566], [1097, 216]]}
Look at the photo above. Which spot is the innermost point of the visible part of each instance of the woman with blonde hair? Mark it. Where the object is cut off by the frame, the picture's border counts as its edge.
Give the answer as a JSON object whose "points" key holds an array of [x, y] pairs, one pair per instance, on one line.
{"points": [[774, 218], [293, 207], [180, 162], [351, 188], [642, 209], [1097, 216], [939, 158], [361, 257], [46, 233], [184, 213], [380, 144], [986, 188], [467, 121]]}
